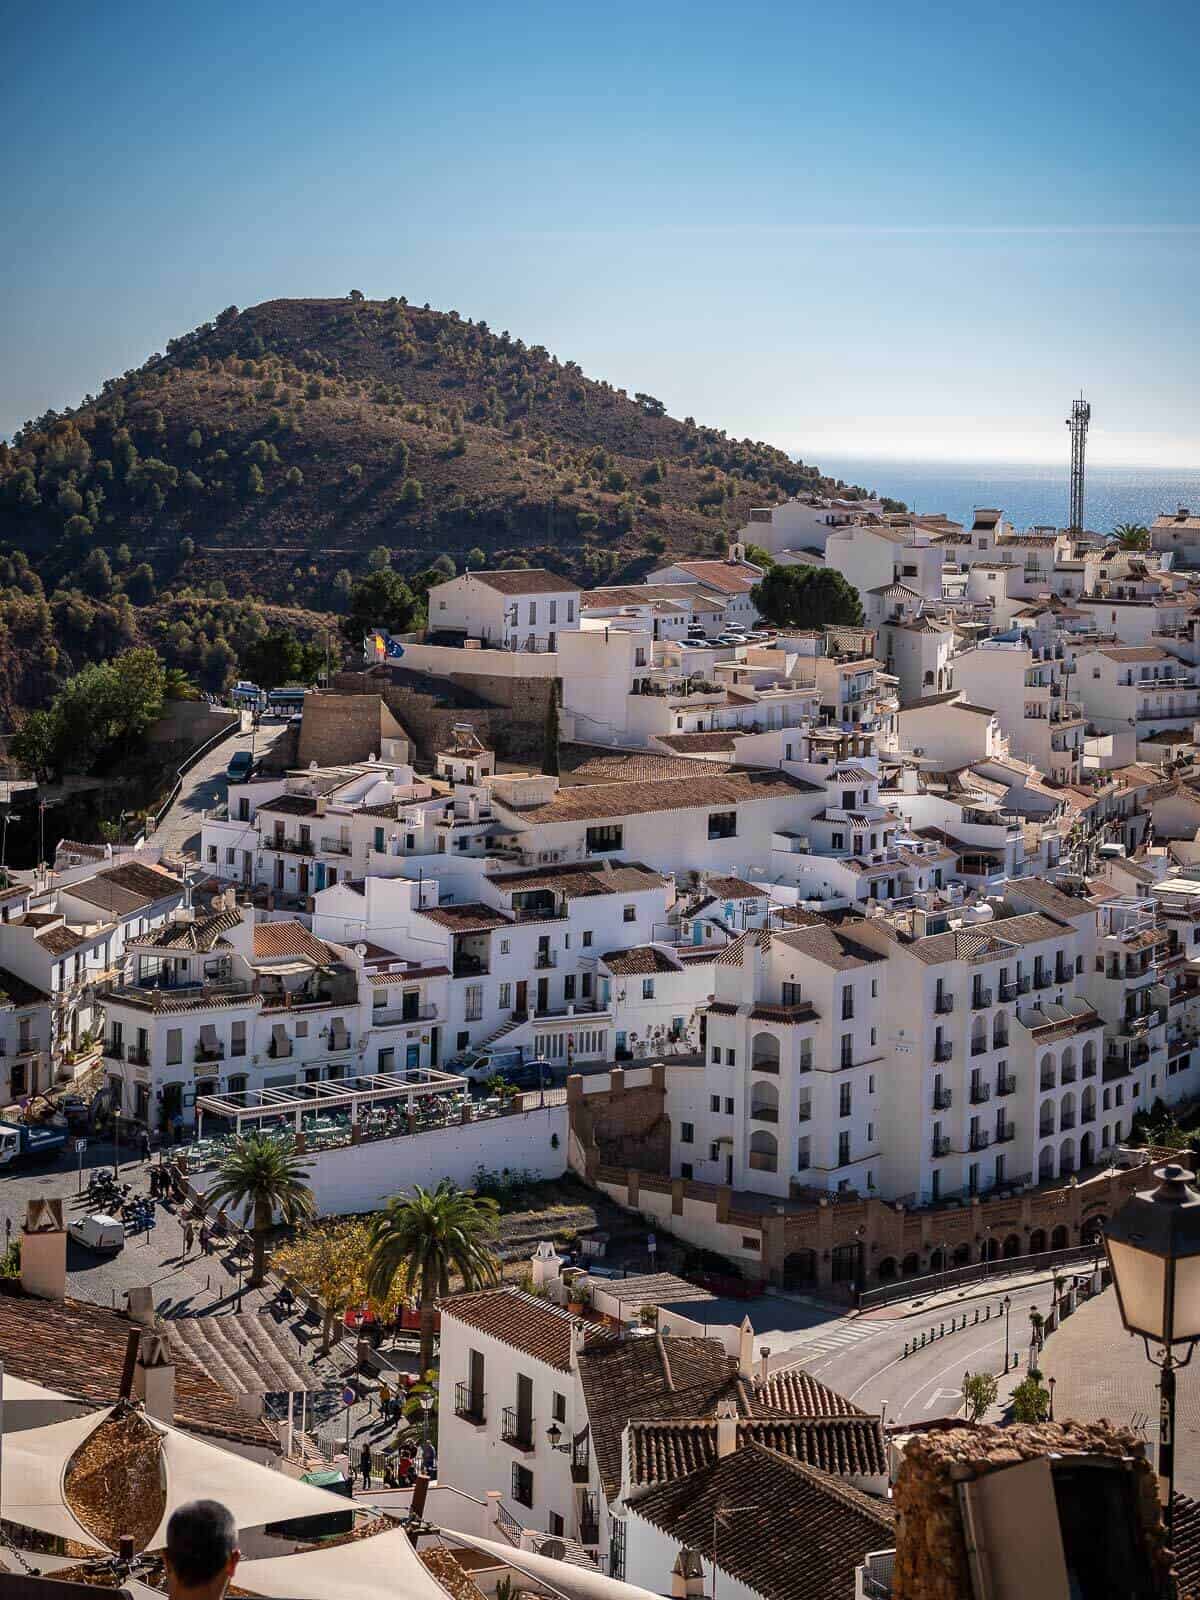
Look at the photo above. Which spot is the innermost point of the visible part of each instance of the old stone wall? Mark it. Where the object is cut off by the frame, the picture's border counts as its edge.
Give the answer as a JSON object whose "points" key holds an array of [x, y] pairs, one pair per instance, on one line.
{"points": [[339, 727], [625, 1123], [507, 714]]}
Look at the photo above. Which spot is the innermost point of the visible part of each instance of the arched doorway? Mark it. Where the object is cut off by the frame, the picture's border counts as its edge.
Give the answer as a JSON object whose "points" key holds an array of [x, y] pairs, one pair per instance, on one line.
{"points": [[937, 1261], [1093, 1230], [1087, 1149], [990, 1250], [764, 1053], [911, 1265], [800, 1269], [1066, 1158], [1046, 1163], [887, 1269], [962, 1255], [1060, 1238], [764, 1152], [1037, 1241], [1012, 1247], [848, 1263]]}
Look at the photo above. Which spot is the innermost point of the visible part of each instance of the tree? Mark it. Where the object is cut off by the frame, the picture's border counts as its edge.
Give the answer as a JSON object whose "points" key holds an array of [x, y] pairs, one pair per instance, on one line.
{"points": [[759, 557], [139, 585], [476, 558], [294, 478], [194, 440], [411, 493], [807, 597], [444, 567], [379, 559], [400, 455], [264, 1176], [280, 657], [178, 686], [382, 600], [33, 747], [1132, 535], [96, 575], [979, 1394], [426, 1236], [1030, 1400], [254, 480], [329, 1260]]}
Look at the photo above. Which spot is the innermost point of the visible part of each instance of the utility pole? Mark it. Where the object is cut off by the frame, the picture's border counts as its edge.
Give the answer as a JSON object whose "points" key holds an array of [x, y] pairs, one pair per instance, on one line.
{"points": [[1081, 415]]}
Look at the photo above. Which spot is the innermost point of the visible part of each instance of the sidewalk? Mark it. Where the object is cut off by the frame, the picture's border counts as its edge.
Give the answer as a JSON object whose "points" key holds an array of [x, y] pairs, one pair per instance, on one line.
{"points": [[951, 1298]]}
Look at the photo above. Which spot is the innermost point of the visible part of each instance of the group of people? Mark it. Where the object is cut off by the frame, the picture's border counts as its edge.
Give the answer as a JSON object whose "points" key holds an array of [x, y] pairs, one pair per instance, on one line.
{"points": [[399, 1471]]}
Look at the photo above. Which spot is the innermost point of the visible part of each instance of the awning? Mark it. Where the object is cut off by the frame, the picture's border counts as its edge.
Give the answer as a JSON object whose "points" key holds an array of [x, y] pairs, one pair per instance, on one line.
{"points": [[279, 1036], [35, 1462], [380, 1568], [559, 1577]]}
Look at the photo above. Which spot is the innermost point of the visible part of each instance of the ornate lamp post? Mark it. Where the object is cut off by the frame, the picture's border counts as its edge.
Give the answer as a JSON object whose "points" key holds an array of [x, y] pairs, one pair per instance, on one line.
{"points": [[1153, 1246]]}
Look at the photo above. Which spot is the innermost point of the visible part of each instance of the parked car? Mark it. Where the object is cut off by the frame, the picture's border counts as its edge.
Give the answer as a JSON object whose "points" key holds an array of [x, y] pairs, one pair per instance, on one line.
{"points": [[241, 765], [100, 1233], [480, 1065]]}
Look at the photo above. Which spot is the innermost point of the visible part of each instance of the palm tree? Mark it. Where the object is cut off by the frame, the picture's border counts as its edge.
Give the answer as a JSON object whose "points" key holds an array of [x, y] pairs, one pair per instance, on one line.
{"points": [[425, 1236], [1132, 535], [264, 1176]]}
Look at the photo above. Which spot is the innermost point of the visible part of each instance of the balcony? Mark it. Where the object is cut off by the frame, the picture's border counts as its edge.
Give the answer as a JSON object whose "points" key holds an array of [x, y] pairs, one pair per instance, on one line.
{"points": [[981, 998], [516, 1428], [804, 1114], [765, 1064], [1008, 991], [1046, 1129], [943, 1099], [939, 1147], [979, 1047], [1042, 980], [980, 1093], [1067, 1075], [387, 1016], [137, 1055], [1066, 1122], [291, 847], [203, 1056], [279, 1052], [943, 1050], [469, 1403], [335, 847], [589, 1520], [980, 1141], [581, 1460], [546, 958], [466, 966], [760, 1161], [1088, 1069], [1006, 1133], [1006, 1083], [1024, 984], [30, 1047], [944, 1004], [764, 1113], [1047, 1081]]}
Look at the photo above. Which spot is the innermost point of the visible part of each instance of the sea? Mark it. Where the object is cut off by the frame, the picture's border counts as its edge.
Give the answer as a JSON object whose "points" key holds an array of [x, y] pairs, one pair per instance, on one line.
{"points": [[1028, 495]]}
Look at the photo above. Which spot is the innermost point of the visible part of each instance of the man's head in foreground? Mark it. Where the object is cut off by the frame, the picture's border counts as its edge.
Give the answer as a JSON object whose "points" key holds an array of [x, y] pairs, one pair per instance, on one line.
{"points": [[202, 1551]]}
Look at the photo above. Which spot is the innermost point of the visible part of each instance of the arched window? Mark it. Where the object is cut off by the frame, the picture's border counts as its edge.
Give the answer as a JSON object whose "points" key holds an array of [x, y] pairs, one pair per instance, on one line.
{"points": [[764, 1152], [1066, 1158], [1066, 1112], [979, 1037], [1087, 1149], [1046, 1163], [1012, 1247], [1087, 1105], [1089, 1057], [911, 1265], [1000, 1030], [764, 1053], [800, 1269], [1060, 1238], [887, 1269], [1048, 1073], [1037, 1241], [1067, 1070], [764, 1103], [1046, 1118]]}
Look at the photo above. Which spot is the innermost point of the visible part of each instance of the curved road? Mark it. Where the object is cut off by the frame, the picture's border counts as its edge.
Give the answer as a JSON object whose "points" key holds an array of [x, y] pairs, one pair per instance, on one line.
{"points": [[872, 1370], [205, 786]]}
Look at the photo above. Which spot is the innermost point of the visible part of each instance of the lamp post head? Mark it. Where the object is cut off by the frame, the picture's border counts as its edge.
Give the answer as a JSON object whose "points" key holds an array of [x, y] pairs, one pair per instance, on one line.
{"points": [[1153, 1246], [554, 1434]]}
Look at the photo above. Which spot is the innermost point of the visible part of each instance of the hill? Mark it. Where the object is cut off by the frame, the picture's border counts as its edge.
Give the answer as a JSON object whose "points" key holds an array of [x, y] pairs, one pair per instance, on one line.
{"points": [[271, 451]]}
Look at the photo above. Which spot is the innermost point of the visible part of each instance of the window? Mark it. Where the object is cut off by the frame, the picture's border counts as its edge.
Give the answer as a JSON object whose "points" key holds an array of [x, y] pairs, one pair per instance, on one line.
{"points": [[522, 1484], [750, 1242], [647, 988], [606, 836], [731, 1058], [871, 1084], [379, 839], [570, 611], [847, 1003], [558, 1405], [174, 1046], [843, 1159], [729, 1107], [844, 1100], [569, 987], [505, 1000], [212, 853], [722, 824], [685, 1169], [874, 988], [553, 610], [714, 1151], [714, 1103], [237, 1039], [533, 611], [716, 1055], [629, 914], [230, 856], [847, 1058], [837, 841], [462, 1039], [556, 1524], [687, 1133], [505, 947], [473, 1011], [587, 938], [302, 1030]]}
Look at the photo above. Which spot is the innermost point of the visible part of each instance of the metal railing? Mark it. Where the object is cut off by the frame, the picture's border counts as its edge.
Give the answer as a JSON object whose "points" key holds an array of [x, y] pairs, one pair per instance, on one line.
{"points": [[469, 1403], [943, 1099], [516, 1428], [1007, 1266]]}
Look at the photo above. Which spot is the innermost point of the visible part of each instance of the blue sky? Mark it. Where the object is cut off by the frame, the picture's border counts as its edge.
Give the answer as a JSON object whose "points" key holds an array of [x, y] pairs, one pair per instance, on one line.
{"points": [[877, 229]]}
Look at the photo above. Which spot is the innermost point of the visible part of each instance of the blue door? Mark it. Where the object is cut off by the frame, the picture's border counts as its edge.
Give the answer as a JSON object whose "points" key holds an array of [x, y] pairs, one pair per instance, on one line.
{"points": [[320, 875], [412, 1056]]}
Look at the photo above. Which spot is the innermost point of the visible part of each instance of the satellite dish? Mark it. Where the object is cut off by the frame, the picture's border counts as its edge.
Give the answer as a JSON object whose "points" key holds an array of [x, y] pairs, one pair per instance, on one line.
{"points": [[360, 949]]}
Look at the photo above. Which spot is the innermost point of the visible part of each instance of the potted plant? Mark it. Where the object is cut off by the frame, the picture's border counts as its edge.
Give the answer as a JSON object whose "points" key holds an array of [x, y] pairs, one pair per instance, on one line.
{"points": [[579, 1293]]}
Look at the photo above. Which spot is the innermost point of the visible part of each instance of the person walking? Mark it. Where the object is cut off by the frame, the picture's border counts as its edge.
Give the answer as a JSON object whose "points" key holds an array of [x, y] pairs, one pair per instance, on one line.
{"points": [[189, 1238], [364, 1465], [145, 1141], [205, 1239], [385, 1400]]}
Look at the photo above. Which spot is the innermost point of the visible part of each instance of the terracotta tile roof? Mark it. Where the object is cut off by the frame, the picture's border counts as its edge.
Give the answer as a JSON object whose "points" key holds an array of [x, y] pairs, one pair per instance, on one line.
{"points": [[525, 580], [580, 882], [794, 1392], [730, 577], [828, 946], [1131, 652], [735, 889], [633, 766], [643, 958], [129, 887], [275, 939], [292, 805], [696, 741], [736, 787], [62, 940], [849, 1446], [80, 1348], [951, 695], [1186, 1541], [803, 1539], [474, 917], [1048, 898], [647, 1378], [989, 941], [204, 934], [535, 1327]]}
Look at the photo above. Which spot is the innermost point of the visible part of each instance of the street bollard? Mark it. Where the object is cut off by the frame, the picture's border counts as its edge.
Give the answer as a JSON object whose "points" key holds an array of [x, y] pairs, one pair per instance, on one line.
{"points": [[987, 1314], [942, 1335], [906, 1348], [976, 1313]]}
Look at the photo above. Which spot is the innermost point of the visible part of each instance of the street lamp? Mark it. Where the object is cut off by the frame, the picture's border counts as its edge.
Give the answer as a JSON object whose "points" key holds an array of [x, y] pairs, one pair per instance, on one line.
{"points": [[1153, 1246], [1007, 1303], [426, 1408], [554, 1433], [1050, 1383]]}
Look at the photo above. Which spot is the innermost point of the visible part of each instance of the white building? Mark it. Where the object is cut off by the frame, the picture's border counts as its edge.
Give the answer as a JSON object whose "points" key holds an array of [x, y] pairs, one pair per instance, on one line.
{"points": [[523, 608], [1134, 693], [1026, 688]]}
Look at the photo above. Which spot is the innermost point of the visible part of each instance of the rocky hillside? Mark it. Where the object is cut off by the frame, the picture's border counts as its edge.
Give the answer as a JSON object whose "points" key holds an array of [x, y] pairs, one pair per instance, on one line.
{"points": [[273, 450]]}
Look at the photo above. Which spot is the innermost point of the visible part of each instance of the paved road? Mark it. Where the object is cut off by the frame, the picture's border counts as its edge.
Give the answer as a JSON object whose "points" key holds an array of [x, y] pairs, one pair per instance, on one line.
{"points": [[204, 787], [863, 1359]]}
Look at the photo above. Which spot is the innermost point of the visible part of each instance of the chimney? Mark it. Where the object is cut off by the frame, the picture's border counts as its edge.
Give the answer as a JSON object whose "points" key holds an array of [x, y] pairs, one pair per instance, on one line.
{"points": [[44, 1250], [687, 1575], [746, 1349], [727, 1427], [140, 1305], [578, 1340], [546, 1264], [154, 1377], [764, 1363]]}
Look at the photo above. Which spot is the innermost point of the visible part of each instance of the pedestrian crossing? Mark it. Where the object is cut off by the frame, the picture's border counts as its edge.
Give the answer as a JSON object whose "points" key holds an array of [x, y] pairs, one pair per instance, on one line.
{"points": [[829, 1340]]}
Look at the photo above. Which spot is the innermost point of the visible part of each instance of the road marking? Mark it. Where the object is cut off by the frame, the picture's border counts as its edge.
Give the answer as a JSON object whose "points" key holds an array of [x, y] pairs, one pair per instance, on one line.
{"points": [[965, 1359]]}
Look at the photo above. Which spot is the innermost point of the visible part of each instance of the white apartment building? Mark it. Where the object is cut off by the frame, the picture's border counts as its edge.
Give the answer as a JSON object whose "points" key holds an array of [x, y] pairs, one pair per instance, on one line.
{"points": [[1026, 688], [873, 557], [732, 578], [1134, 692], [804, 522], [665, 610], [512, 609], [950, 731], [1177, 534], [25, 1063]]}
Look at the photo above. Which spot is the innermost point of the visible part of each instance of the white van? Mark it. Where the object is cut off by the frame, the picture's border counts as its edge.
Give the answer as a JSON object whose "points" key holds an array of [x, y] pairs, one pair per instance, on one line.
{"points": [[99, 1232]]}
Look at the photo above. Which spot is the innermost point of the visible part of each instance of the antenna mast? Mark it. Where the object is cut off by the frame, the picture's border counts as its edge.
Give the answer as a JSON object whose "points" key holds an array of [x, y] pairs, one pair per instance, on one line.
{"points": [[1081, 415]]}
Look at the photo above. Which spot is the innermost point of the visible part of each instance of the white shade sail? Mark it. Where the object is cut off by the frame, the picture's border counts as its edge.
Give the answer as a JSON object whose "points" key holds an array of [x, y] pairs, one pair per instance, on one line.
{"points": [[560, 1577], [34, 1463], [383, 1568]]}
